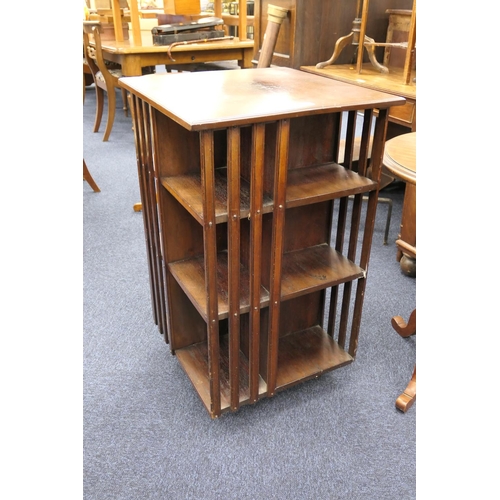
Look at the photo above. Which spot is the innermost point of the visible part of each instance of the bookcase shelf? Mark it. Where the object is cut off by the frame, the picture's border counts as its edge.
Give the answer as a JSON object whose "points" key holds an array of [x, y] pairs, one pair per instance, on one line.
{"points": [[257, 256]]}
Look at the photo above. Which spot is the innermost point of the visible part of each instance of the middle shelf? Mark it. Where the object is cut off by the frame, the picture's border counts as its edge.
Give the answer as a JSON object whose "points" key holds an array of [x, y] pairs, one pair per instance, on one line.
{"points": [[304, 271]]}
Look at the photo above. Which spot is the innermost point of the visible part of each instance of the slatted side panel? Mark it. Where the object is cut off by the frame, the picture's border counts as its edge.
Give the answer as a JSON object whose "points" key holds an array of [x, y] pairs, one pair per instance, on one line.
{"points": [[233, 214], [354, 224], [339, 242], [210, 252], [256, 200], [280, 180], [376, 170], [141, 113]]}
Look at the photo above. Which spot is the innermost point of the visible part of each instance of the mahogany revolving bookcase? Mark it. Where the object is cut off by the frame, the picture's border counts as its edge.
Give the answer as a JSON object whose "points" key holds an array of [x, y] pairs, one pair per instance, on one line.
{"points": [[258, 241]]}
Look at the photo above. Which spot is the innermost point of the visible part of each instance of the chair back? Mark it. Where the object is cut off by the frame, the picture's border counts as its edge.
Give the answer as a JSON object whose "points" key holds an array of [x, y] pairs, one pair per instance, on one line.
{"points": [[94, 54]]}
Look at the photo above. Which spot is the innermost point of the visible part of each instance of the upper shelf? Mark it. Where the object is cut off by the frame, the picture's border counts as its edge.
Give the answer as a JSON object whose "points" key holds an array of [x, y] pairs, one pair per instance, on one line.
{"points": [[305, 186]]}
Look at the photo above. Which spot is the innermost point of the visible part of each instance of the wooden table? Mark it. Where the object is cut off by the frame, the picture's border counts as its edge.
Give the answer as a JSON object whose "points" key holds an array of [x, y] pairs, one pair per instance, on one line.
{"points": [[240, 198], [400, 160], [133, 57], [392, 83]]}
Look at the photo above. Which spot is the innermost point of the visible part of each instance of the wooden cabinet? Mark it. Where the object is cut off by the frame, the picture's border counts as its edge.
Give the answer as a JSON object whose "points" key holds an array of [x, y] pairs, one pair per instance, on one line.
{"points": [[258, 240]]}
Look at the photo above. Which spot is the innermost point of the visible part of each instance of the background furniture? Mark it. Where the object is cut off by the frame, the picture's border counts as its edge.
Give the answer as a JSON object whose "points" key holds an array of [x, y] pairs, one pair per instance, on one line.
{"points": [[87, 177], [312, 28], [238, 200], [106, 78], [400, 159], [406, 399], [132, 58], [403, 119]]}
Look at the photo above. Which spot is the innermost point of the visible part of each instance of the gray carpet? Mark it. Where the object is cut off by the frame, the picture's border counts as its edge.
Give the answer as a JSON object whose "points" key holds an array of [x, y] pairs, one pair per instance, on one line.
{"points": [[147, 434]]}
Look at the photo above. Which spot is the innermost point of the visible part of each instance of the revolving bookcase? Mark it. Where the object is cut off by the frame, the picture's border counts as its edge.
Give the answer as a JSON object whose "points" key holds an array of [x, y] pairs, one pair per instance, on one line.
{"points": [[258, 240]]}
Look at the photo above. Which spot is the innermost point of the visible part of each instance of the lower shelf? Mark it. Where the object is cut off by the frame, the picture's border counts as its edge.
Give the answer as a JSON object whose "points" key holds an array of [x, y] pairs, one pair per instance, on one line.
{"points": [[307, 354], [194, 361], [302, 355]]}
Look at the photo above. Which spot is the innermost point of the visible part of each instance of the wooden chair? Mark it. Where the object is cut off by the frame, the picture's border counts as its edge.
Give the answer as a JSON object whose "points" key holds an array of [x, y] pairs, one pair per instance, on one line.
{"points": [[87, 177], [88, 78], [106, 78]]}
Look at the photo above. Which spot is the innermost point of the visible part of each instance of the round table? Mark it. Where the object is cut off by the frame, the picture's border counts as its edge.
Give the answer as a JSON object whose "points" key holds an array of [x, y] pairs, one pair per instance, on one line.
{"points": [[400, 160]]}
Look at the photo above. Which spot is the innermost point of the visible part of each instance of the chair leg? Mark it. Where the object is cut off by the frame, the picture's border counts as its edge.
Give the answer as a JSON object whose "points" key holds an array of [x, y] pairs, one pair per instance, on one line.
{"points": [[89, 179], [124, 99], [111, 113], [99, 94]]}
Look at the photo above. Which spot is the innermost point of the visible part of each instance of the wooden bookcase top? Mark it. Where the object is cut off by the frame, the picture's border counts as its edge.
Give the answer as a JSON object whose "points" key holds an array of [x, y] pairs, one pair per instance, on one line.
{"points": [[248, 96]]}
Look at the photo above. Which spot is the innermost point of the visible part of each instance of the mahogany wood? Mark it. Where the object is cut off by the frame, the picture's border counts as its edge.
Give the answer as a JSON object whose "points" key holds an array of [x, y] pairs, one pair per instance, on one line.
{"points": [[245, 190]]}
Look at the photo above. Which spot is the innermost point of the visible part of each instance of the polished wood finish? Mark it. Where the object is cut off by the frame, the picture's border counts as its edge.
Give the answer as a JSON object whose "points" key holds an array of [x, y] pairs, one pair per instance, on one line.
{"points": [[106, 80], [400, 159], [392, 82], [241, 197], [406, 399], [312, 28], [133, 57], [275, 18], [88, 177]]}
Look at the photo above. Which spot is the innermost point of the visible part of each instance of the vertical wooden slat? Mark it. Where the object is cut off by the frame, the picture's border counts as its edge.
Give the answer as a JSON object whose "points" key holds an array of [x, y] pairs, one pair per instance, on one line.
{"points": [[256, 197], [233, 214], [376, 169], [157, 212], [210, 251], [141, 117], [280, 180], [341, 228], [364, 149], [355, 224], [350, 139]]}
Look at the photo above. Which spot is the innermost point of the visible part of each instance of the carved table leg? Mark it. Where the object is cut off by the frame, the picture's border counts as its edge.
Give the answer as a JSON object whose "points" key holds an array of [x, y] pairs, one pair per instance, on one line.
{"points": [[406, 399], [409, 395], [342, 42], [370, 49]]}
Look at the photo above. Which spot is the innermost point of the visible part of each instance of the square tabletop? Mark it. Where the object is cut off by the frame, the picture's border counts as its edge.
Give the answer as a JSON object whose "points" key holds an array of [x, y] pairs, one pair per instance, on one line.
{"points": [[220, 99]]}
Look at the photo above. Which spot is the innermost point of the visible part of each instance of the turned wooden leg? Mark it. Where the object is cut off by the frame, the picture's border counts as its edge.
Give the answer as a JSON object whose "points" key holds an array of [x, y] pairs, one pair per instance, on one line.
{"points": [[409, 395]]}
